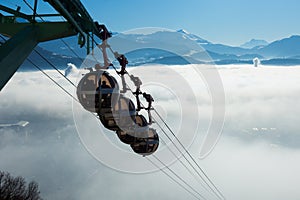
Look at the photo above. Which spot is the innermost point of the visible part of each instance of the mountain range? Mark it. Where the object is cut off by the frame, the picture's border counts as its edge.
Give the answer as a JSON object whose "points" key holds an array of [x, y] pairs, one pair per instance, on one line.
{"points": [[176, 47], [254, 43]]}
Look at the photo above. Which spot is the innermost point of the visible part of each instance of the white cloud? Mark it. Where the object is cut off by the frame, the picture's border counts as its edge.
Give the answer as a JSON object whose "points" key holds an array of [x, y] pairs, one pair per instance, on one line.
{"points": [[246, 164], [71, 70]]}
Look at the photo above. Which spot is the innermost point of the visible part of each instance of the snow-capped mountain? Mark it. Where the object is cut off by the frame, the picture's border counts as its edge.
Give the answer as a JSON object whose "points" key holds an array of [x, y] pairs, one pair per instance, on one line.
{"points": [[254, 43], [193, 37], [59, 60], [284, 48], [180, 47]]}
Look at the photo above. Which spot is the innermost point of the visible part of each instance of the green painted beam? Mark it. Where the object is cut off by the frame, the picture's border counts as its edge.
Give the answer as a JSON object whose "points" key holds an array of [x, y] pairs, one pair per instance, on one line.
{"points": [[74, 10], [17, 13], [47, 30], [54, 30], [15, 51], [24, 37]]}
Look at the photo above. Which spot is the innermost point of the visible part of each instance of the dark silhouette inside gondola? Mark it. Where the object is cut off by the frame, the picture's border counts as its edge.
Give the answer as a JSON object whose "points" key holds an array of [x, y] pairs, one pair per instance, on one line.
{"points": [[99, 92]]}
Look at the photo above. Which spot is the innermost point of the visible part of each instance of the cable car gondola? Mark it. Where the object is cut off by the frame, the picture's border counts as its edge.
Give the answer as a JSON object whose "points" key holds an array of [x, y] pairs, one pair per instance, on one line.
{"points": [[128, 136], [99, 92], [142, 139], [96, 89], [119, 117], [147, 144]]}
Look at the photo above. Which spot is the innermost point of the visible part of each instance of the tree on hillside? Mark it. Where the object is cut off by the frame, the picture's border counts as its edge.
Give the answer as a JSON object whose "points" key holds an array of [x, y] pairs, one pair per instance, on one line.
{"points": [[15, 188]]}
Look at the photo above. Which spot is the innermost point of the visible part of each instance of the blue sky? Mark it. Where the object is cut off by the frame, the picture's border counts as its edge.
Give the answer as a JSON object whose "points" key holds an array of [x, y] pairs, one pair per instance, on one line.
{"points": [[230, 22]]}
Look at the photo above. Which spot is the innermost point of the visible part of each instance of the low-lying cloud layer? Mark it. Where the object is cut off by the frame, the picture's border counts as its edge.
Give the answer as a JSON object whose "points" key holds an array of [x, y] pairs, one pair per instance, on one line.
{"points": [[257, 157]]}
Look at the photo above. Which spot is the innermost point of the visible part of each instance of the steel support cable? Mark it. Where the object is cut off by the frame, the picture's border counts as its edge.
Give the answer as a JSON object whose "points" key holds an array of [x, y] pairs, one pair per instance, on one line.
{"points": [[218, 193], [176, 145], [56, 83], [210, 181], [44, 58], [183, 154], [30, 61], [176, 175], [168, 138], [97, 118], [173, 179], [47, 75], [51, 77], [189, 162], [41, 70], [182, 163], [68, 93], [68, 46], [62, 40], [3, 38], [53, 66]]}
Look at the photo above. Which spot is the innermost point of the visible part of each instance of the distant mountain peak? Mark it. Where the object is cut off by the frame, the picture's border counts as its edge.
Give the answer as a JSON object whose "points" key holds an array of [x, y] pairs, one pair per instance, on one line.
{"points": [[254, 43], [295, 36], [183, 31], [194, 37]]}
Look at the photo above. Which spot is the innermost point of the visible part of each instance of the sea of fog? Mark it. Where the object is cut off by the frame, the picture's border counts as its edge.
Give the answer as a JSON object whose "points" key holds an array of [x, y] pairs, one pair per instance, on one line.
{"points": [[256, 157]]}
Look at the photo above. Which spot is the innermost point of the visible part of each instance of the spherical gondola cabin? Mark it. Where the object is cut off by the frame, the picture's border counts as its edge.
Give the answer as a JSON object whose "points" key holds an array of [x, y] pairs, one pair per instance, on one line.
{"points": [[119, 117], [147, 144], [97, 89], [140, 128]]}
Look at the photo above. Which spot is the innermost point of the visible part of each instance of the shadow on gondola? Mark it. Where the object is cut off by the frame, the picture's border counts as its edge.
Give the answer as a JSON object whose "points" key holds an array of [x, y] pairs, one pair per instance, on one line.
{"points": [[98, 92]]}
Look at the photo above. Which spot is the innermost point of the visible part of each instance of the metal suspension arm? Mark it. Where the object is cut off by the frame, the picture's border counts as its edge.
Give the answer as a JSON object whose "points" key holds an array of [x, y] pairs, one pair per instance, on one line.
{"points": [[70, 18], [17, 13], [24, 37], [14, 52]]}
